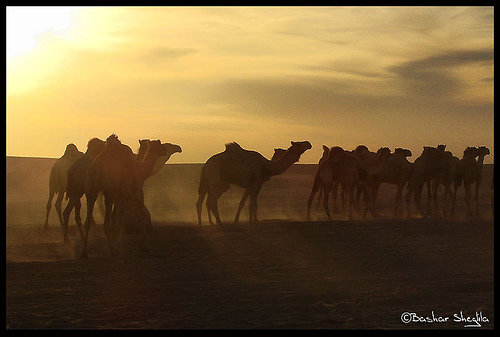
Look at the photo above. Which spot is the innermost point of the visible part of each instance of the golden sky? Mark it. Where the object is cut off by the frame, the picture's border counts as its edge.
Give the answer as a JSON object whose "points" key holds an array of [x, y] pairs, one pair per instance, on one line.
{"points": [[201, 77]]}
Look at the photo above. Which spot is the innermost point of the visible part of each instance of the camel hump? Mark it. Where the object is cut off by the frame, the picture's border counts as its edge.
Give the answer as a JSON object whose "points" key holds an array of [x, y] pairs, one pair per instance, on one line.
{"points": [[403, 152], [233, 146], [112, 140], [335, 152], [71, 149]]}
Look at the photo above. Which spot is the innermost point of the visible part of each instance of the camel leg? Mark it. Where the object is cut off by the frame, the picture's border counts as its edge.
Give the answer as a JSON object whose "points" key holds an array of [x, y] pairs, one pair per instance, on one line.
{"points": [[343, 194], [320, 196], [91, 198], [446, 199], [369, 204], [374, 194], [109, 223], [48, 207], [58, 207], [429, 196], [66, 214], [454, 198], [467, 188], [418, 197], [334, 198], [210, 221], [254, 192], [78, 218], [409, 193], [398, 201], [326, 196], [241, 205], [476, 197], [199, 205], [352, 202], [147, 225], [315, 188], [212, 207]]}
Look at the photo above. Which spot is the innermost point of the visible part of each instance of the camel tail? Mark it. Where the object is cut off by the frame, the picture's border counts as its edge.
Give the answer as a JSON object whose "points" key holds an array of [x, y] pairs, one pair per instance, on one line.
{"points": [[202, 191]]}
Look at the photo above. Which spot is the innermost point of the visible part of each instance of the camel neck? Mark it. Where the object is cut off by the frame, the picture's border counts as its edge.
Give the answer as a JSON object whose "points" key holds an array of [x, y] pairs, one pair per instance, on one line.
{"points": [[281, 165], [146, 166], [480, 160]]}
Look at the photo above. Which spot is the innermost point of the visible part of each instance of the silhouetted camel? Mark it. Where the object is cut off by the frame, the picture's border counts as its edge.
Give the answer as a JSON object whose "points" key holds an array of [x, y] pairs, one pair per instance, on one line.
{"points": [[431, 165], [472, 173], [278, 153], [76, 184], [454, 175], [351, 172], [396, 171], [116, 173], [247, 169], [324, 156], [58, 181]]}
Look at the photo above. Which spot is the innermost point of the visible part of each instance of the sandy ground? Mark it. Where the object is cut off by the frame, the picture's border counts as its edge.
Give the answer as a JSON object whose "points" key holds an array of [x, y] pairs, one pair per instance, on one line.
{"points": [[288, 273]]}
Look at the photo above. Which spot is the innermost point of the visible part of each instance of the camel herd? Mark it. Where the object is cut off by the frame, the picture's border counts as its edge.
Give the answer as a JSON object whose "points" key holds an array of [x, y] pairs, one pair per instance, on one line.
{"points": [[364, 171], [111, 169]]}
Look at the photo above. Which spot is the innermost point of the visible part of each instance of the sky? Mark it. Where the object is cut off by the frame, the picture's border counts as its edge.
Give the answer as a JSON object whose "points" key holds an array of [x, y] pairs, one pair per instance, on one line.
{"points": [[201, 77]]}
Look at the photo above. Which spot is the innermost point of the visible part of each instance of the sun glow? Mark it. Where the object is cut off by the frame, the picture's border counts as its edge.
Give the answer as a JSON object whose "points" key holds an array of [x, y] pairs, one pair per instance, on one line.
{"points": [[25, 25]]}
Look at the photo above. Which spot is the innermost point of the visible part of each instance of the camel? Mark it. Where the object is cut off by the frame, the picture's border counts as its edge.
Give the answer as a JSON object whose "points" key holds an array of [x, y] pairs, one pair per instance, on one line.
{"points": [[351, 172], [76, 180], [58, 181], [472, 174], [396, 171], [324, 156], [278, 153], [76, 184], [244, 168], [120, 178], [455, 176], [431, 165]]}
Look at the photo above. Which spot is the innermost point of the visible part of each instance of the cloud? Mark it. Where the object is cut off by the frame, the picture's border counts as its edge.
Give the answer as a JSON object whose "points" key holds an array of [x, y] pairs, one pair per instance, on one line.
{"points": [[433, 76]]}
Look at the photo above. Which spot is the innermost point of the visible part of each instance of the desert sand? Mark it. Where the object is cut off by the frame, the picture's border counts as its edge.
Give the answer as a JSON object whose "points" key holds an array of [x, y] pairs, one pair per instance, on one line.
{"points": [[289, 273]]}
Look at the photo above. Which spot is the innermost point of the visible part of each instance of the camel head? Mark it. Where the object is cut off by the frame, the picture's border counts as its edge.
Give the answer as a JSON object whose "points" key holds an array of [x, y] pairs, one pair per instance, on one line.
{"points": [[471, 152], [430, 151], [336, 154], [172, 148], [483, 151], [278, 153], [361, 148], [403, 152], [143, 144], [156, 148], [383, 152], [300, 147]]}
